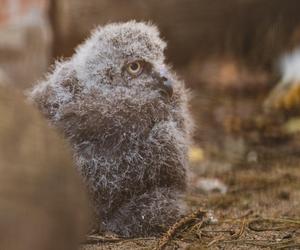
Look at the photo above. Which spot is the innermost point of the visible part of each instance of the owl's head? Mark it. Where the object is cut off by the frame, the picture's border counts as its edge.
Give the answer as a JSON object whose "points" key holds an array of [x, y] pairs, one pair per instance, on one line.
{"points": [[116, 81], [124, 55]]}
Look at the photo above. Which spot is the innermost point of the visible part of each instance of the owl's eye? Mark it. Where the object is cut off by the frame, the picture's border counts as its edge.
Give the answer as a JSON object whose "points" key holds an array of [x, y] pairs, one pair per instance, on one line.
{"points": [[135, 68]]}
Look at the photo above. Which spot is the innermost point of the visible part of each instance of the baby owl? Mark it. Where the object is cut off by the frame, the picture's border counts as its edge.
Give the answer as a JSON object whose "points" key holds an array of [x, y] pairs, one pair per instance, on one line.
{"points": [[125, 114]]}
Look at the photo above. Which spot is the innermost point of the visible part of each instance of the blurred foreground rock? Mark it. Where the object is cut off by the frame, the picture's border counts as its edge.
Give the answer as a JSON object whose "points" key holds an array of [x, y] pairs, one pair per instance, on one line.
{"points": [[43, 205], [210, 185]]}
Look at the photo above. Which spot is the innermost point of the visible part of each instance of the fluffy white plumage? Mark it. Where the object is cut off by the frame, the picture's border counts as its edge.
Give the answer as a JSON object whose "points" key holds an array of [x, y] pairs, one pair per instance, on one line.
{"points": [[130, 133], [289, 65]]}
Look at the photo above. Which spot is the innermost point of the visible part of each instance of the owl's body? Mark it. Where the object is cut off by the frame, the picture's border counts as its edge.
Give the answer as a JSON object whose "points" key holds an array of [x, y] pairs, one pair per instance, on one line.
{"points": [[127, 119]]}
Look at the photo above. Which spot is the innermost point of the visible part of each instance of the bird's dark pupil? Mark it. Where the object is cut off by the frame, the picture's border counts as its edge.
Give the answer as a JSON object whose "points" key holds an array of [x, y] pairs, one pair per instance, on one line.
{"points": [[134, 66]]}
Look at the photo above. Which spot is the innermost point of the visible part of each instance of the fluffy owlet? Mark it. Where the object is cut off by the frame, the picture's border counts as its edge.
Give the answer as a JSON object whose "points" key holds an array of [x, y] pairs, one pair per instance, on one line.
{"points": [[125, 114]]}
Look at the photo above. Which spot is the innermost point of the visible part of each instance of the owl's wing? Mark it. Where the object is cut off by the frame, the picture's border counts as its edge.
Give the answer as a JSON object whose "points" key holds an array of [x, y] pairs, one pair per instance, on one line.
{"points": [[57, 89]]}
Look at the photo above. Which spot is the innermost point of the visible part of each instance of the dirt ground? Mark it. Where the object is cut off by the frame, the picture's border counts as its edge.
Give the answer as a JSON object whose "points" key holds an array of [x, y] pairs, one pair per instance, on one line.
{"points": [[260, 211], [258, 167]]}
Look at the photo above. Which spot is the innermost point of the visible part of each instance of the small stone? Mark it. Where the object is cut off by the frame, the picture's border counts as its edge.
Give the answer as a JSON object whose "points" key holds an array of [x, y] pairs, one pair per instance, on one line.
{"points": [[252, 157], [209, 185]]}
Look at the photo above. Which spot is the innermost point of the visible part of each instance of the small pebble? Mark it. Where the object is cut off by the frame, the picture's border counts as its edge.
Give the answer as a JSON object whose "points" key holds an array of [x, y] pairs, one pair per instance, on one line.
{"points": [[210, 185]]}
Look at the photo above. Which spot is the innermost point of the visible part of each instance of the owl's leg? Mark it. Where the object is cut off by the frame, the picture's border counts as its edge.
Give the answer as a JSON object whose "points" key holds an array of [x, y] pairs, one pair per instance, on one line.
{"points": [[149, 214]]}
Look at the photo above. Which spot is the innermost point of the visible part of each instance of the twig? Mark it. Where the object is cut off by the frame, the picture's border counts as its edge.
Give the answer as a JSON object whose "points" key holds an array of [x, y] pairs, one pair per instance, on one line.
{"points": [[167, 237], [196, 226], [218, 231], [94, 239], [241, 232], [264, 243], [290, 246], [287, 222], [235, 236]]}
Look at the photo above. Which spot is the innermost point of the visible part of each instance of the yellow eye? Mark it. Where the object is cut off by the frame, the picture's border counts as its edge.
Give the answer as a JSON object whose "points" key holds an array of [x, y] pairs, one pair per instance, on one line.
{"points": [[135, 68]]}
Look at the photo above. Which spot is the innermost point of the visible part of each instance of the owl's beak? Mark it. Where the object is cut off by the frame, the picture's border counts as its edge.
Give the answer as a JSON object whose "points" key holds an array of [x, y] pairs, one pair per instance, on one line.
{"points": [[166, 86]]}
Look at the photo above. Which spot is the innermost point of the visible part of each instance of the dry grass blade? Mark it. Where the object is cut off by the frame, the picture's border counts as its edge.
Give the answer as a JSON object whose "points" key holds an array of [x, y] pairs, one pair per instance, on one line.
{"points": [[94, 239], [264, 243], [258, 224], [167, 237], [233, 237], [290, 246], [241, 232]]}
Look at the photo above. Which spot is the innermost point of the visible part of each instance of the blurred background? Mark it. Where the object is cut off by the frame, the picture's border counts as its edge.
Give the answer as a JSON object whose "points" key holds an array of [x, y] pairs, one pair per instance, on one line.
{"points": [[241, 60], [228, 52]]}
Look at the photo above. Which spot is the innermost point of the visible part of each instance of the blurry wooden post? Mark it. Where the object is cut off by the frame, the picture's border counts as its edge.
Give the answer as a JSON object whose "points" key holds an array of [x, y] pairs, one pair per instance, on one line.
{"points": [[43, 203], [72, 20], [25, 40]]}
